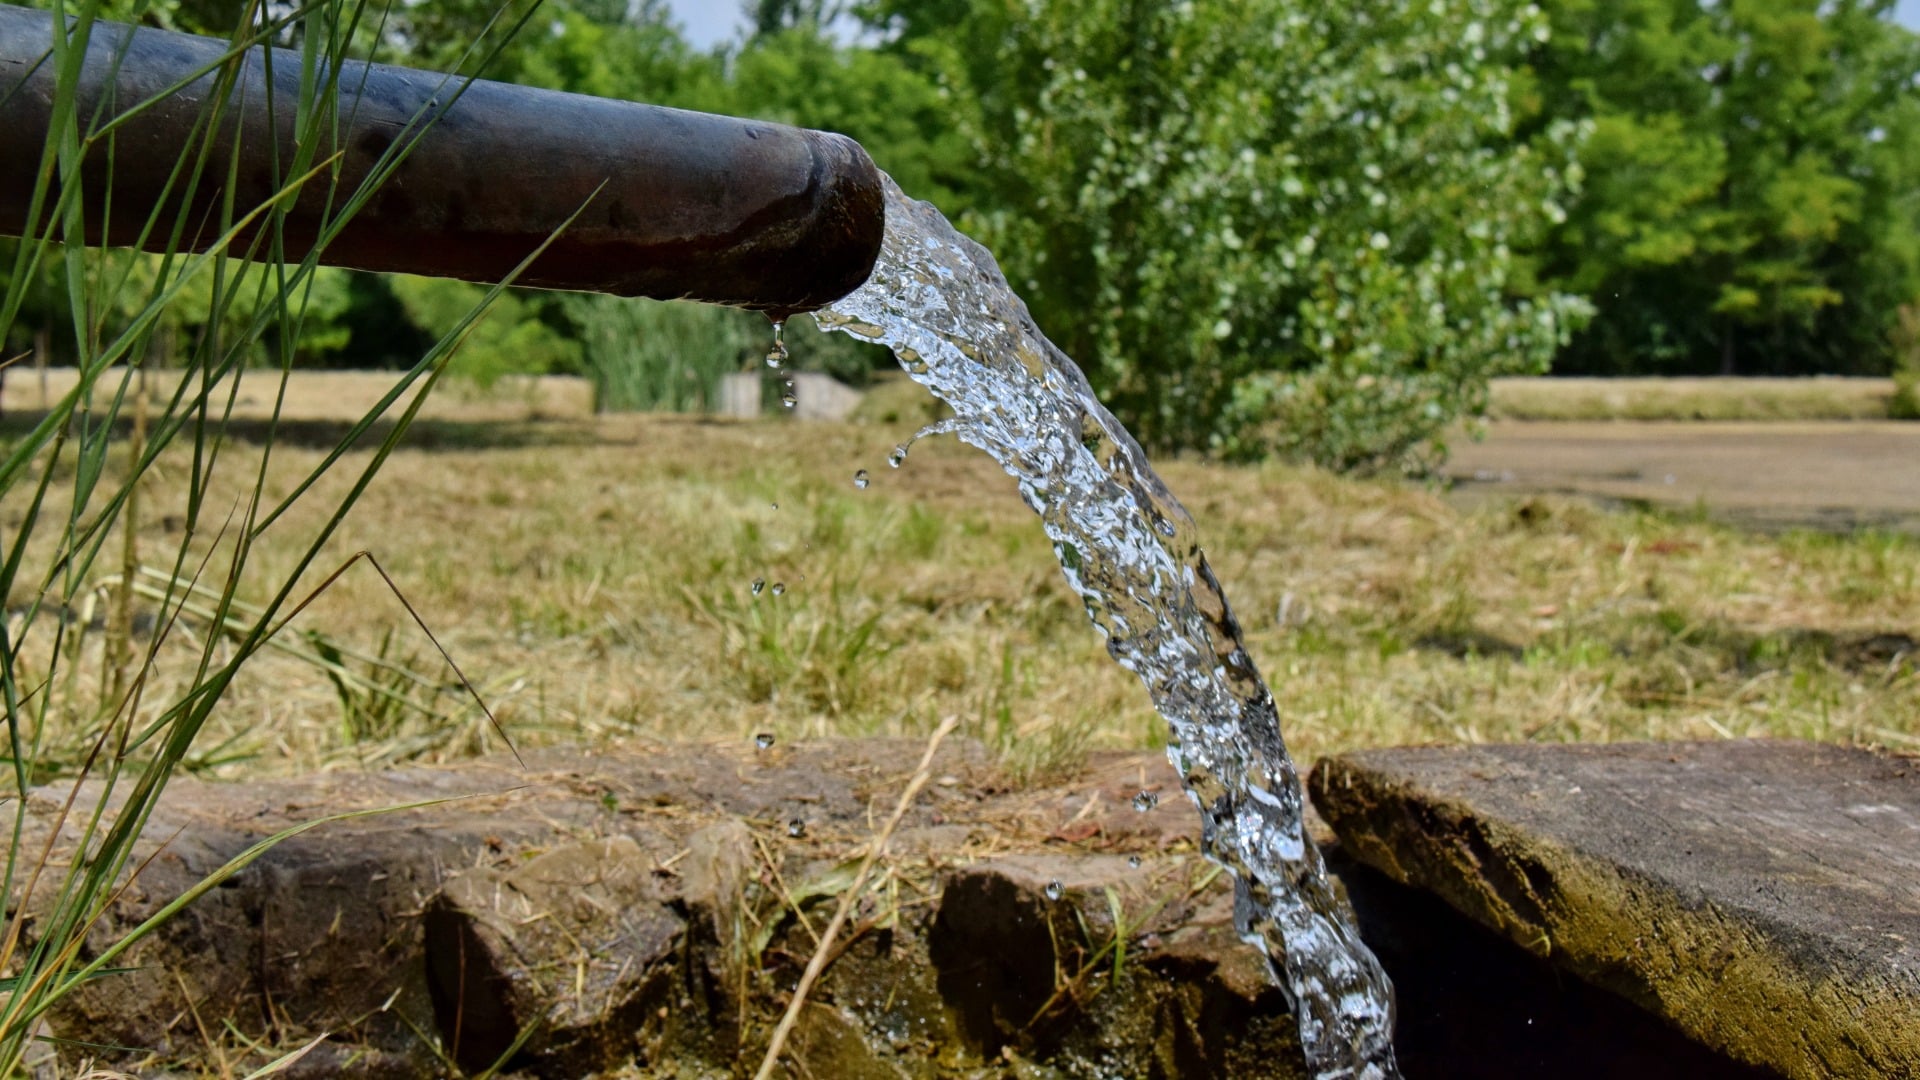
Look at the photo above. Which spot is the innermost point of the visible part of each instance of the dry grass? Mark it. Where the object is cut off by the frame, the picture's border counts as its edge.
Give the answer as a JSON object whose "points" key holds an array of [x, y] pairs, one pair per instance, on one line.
{"points": [[593, 578], [1823, 398]]}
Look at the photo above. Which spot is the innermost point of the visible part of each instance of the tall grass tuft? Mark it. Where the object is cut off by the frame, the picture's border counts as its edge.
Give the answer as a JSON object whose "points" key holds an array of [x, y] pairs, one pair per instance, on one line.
{"points": [[106, 684], [648, 356]]}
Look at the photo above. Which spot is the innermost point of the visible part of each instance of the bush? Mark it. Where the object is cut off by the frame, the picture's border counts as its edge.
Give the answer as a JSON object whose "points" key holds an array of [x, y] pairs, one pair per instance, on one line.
{"points": [[1905, 403], [510, 338], [1266, 226], [644, 355]]}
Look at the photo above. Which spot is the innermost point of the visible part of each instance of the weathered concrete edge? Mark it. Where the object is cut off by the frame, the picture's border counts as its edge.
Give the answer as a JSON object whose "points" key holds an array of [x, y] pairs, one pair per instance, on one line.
{"points": [[1715, 973]]}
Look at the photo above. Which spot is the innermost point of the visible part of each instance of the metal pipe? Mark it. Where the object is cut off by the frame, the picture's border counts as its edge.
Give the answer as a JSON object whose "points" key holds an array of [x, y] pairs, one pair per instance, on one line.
{"points": [[672, 204]]}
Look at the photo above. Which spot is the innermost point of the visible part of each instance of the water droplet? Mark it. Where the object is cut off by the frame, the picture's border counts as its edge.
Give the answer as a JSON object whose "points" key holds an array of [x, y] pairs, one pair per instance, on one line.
{"points": [[1145, 801], [796, 828], [759, 583], [861, 479], [779, 588], [1055, 890], [764, 740], [777, 356], [898, 457], [787, 397], [1133, 861]]}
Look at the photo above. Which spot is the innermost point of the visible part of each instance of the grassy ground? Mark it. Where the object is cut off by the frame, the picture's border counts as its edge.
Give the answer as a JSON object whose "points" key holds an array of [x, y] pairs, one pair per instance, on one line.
{"points": [[1692, 399], [594, 578]]}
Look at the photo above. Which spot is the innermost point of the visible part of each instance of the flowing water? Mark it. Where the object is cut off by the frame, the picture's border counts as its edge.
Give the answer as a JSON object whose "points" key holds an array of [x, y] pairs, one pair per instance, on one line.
{"points": [[1132, 553]]}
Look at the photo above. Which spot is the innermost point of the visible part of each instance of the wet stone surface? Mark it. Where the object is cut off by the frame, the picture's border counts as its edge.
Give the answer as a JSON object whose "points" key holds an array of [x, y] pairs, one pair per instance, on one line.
{"points": [[1761, 897]]}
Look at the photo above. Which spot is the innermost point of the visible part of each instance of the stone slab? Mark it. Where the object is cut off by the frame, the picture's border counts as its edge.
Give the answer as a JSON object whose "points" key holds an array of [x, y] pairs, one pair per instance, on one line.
{"points": [[641, 911], [1763, 897]]}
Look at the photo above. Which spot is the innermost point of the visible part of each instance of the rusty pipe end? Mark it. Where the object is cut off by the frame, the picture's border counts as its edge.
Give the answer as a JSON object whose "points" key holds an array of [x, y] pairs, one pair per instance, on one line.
{"points": [[784, 220], [847, 229]]}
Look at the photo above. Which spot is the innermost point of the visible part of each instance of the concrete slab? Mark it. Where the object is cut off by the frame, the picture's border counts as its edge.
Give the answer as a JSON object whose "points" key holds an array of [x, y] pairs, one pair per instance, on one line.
{"points": [[1765, 475], [1763, 897]]}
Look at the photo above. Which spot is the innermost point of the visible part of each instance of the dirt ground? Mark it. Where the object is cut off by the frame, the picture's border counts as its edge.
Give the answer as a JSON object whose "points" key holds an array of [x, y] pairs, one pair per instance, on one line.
{"points": [[1827, 475]]}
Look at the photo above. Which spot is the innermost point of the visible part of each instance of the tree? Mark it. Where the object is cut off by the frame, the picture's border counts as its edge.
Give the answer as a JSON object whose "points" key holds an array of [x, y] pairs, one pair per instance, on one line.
{"points": [[908, 122], [40, 302], [116, 287], [1262, 225], [509, 338], [628, 51], [769, 17], [1750, 202]]}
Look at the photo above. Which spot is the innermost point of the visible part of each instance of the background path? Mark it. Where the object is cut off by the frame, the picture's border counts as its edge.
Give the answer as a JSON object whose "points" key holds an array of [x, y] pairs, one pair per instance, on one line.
{"points": [[1827, 475]]}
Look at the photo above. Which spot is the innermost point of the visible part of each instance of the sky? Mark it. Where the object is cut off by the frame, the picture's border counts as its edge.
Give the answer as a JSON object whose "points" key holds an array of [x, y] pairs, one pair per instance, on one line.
{"points": [[709, 22]]}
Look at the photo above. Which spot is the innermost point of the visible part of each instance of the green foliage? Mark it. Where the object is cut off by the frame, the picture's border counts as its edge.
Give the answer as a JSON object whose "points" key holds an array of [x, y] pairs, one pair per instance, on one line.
{"points": [[645, 355], [629, 51], [380, 332], [1299, 240], [38, 298], [1905, 404], [772, 16], [1751, 182], [123, 283], [510, 339], [906, 120], [313, 328]]}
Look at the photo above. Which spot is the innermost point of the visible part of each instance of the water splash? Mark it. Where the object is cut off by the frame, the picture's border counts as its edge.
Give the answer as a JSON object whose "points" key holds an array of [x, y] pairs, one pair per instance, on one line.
{"points": [[1133, 554]]}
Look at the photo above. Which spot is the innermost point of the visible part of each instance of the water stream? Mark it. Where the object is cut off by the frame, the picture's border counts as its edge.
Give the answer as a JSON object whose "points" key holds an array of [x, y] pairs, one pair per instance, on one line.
{"points": [[1132, 553]]}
